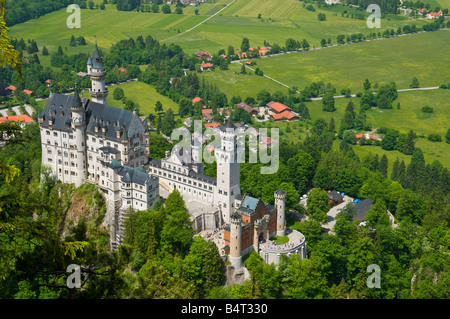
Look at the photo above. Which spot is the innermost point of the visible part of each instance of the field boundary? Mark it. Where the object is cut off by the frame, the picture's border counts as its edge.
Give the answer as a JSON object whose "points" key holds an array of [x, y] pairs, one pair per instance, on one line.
{"points": [[199, 24]]}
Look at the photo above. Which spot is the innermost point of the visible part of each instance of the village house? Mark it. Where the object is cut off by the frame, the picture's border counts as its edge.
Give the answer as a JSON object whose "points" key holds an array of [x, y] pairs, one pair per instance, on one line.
{"points": [[335, 198], [206, 66], [250, 110]]}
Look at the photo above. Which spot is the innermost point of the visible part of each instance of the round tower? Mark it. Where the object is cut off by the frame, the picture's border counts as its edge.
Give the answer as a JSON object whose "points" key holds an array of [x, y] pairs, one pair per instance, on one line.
{"points": [[235, 240], [77, 147], [280, 203], [97, 74]]}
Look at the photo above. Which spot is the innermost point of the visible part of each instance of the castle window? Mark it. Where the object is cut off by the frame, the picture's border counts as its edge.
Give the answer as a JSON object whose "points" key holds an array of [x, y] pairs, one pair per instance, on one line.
{"points": [[48, 132]]}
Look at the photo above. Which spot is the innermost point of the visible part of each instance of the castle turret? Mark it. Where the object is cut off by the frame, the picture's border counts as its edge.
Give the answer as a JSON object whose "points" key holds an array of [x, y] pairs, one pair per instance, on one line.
{"points": [[235, 240], [280, 203], [97, 74], [78, 148]]}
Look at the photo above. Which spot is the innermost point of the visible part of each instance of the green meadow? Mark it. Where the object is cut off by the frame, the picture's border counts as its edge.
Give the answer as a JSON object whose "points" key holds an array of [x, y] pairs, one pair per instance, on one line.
{"points": [[396, 59], [143, 94], [279, 22]]}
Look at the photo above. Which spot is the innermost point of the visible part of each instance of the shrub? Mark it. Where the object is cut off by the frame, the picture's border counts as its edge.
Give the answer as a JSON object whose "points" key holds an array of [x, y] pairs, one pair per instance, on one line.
{"points": [[434, 137], [427, 109]]}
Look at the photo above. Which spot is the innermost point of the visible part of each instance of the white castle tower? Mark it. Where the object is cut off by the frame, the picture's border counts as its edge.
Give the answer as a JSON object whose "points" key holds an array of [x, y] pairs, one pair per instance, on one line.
{"points": [[280, 203], [228, 170], [97, 74], [77, 156]]}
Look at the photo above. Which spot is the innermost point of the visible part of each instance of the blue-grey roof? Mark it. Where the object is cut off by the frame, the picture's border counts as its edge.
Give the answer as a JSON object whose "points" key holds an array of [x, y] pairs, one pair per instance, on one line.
{"points": [[361, 208], [130, 174], [97, 62], [203, 177], [59, 107], [228, 126], [249, 202]]}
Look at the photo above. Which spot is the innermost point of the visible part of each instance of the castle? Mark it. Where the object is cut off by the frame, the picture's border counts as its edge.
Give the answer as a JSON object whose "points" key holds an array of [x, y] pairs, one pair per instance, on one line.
{"points": [[87, 141]]}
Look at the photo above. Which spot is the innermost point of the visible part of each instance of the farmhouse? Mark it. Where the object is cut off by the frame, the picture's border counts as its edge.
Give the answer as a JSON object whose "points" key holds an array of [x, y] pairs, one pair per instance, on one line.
{"points": [[335, 198], [285, 115], [206, 67], [250, 110], [278, 107], [195, 100], [21, 119]]}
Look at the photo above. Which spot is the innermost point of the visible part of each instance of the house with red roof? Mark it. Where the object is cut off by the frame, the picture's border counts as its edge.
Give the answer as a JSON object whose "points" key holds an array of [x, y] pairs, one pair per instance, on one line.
{"points": [[212, 125], [358, 136], [21, 119], [48, 82], [195, 100], [28, 92], [206, 66], [278, 107], [250, 110], [434, 15], [10, 89], [286, 116]]}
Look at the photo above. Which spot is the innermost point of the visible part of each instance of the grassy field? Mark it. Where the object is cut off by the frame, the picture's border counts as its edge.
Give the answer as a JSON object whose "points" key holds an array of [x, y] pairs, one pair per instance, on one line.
{"points": [[395, 59], [141, 93], [409, 116], [239, 20]]}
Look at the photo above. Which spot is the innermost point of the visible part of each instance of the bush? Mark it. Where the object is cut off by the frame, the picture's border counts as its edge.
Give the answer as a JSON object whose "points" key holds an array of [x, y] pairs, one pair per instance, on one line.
{"points": [[427, 109], [434, 137]]}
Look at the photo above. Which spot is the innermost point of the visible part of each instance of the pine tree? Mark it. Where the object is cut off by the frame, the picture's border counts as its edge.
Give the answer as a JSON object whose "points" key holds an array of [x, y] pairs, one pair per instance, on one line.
{"points": [[366, 85], [44, 50], [332, 126], [73, 41], [395, 170], [305, 113], [383, 165], [60, 50], [328, 102], [414, 83], [408, 148], [447, 136], [243, 69], [350, 108]]}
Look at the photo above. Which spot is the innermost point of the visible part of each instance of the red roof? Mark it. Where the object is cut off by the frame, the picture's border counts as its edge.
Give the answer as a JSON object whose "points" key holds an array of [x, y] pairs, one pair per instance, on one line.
{"points": [[206, 111], [11, 87], [195, 100], [359, 135], [28, 92], [207, 65], [279, 107], [286, 114], [48, 81], [15, 118], [214, 125], [123, 70], [248, 108]]}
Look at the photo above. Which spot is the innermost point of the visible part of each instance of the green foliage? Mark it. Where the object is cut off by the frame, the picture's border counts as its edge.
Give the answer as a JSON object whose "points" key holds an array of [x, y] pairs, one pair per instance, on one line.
{"points": [[318, 204]]}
